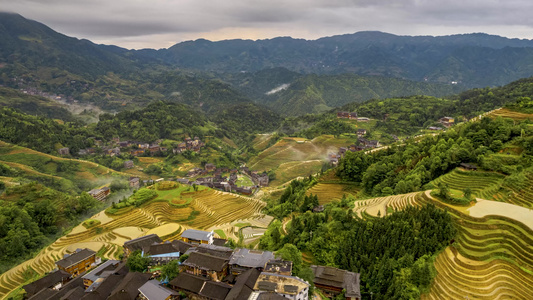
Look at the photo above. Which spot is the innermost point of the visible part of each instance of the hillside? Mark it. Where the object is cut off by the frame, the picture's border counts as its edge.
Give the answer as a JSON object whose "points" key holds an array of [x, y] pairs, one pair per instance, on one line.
{"points": [[293, 94], [34, 105], [27, 45]]}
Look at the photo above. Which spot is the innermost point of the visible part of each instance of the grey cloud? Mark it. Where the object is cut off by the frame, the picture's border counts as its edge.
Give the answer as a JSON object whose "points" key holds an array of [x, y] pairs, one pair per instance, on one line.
{"points": [[126, 20]]}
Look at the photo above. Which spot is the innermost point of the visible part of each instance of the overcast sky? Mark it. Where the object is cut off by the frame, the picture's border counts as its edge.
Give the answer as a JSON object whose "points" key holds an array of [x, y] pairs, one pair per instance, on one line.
{"points": [[162, 23]]}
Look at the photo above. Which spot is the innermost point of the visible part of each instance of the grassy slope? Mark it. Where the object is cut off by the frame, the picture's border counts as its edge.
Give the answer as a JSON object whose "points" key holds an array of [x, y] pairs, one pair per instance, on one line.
{"points": [[36, 165]]}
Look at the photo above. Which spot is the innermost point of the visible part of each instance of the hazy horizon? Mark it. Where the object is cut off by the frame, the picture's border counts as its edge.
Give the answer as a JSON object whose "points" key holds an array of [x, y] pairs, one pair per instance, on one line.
{"points": [[163, 23]]}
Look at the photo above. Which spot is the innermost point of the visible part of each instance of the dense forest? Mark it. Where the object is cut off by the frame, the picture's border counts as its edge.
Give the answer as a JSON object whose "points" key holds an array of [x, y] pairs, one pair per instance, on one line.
{"points": [[408, 167], [32, 215]]}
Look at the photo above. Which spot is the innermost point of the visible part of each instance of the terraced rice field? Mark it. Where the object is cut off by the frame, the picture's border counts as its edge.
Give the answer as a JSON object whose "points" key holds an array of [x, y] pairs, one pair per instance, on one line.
{"points": [[379, 206], [507, 113], [522, 196], [290, 170], [491, 258], [289, 150], [483, 184], [328, 192], [215, 210]]}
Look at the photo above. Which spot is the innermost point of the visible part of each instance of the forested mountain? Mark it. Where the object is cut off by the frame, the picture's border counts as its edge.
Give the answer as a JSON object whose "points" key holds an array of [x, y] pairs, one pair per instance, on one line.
{"points": [[461, 58], [33, 105], [319, 93], [407, 115], [27, 45]]}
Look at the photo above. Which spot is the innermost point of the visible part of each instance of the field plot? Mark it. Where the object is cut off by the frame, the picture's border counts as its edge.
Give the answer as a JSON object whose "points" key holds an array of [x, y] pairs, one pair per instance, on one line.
{"points": [[491, 258], [517, 194], [206, 209], [290, 170], [380, 206], [293, 157], [483, 184], [507, 113], [492, 208], [328, 192]]}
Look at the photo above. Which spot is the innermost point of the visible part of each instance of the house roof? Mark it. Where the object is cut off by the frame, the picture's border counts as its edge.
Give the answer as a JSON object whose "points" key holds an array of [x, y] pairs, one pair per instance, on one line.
{"points": [[104, 289], [278, 265], [181, 246], [74, 294], [152, 290], [338, 278], [198, 235], [188, 282], [205, 261], [280, 283], [161, 249], [75, 258], [109, 265], [219, 251], [215, 290], [46, 282], [250, 258], [142, 242], [130, 285], [244, 285]]}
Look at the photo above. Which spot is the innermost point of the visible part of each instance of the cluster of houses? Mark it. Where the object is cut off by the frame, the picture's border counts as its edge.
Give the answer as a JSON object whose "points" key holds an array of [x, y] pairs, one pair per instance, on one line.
{"points": [[351, 116], [363, 144], [228, 184], [208, 271], [116, 147], [447, 122]]}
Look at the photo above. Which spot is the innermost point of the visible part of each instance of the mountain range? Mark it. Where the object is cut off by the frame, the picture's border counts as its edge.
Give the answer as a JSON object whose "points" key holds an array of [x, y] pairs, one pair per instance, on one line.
{"points": [[285, 75]]}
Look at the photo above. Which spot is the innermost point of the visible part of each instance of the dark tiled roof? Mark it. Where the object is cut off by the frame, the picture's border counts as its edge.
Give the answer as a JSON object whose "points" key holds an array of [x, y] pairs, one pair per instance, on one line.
{"points": [[338, 278], [104, 290], [205, 261], [220, 251], [75, 258], [219, 242], [181, 246], [215, 290], [278, 266], [142, 242], [161, 249], [109, 265], [46, 282], [244, 285], [74, 294], [188, 282], [130, 285]]}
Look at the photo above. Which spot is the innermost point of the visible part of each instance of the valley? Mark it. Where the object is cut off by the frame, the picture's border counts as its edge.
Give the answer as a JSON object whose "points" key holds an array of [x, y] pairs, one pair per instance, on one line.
{"points": [[400, 159]]}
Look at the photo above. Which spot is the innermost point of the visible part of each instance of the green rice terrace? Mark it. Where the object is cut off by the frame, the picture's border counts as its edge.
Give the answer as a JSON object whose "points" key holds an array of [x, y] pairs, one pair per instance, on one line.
{"points": [[173, 209], [490, 258]]}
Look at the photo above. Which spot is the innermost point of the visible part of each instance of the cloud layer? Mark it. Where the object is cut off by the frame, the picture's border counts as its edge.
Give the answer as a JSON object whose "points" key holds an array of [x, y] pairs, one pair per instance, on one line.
{"points": [[162, 23]]}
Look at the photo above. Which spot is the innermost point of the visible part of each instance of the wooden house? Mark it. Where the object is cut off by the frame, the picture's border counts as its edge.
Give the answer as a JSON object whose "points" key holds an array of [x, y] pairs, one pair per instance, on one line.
{"points": [[77, 262], [332, 281], [206, 265], [194, 236]]}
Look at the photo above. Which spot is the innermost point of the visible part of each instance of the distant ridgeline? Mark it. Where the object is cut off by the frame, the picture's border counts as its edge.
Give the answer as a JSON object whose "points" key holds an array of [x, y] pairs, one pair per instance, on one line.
{"points": [[406, 116], [34, 57]]}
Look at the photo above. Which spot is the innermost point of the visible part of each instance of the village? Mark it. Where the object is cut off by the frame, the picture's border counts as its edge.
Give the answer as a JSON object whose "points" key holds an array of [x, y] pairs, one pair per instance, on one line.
{"points": [[363, 144], [208, 269], [210, 176]]}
